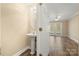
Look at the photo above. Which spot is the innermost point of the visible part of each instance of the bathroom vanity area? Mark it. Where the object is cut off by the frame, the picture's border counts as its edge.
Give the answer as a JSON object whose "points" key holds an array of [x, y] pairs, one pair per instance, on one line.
{"points": [[33, 37]]}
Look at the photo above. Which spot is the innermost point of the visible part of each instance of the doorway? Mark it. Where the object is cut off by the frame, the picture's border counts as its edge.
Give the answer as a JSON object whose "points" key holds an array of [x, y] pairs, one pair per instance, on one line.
{"points": [[56, 28]]}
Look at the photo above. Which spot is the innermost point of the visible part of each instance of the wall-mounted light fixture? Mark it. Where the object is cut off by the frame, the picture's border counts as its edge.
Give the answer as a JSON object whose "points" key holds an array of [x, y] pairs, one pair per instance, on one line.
{"points": [[57, 18]]}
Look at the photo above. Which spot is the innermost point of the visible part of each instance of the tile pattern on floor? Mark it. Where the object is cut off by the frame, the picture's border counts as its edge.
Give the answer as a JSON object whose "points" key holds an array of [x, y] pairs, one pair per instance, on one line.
{"points": [[59, 46], [66, 47]]}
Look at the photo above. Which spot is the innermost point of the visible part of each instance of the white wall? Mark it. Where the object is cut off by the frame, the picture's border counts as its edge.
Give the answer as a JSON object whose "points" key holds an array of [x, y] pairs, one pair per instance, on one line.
{"points": [[15, 26], [74, 28], [0, 28], [65, 28]]}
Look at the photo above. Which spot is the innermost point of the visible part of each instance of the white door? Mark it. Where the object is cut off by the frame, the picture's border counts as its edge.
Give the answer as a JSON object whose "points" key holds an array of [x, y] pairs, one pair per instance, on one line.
{"points": [[42, 33]]}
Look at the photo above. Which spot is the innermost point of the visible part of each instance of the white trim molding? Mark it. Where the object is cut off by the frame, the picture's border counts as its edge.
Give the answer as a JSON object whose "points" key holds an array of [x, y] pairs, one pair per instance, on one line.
{"points": [[21, 51], [72, 38]]}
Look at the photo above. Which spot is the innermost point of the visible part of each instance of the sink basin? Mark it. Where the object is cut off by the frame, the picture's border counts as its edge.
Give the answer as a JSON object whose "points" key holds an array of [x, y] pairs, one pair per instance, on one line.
{"points": [[31, 34]]}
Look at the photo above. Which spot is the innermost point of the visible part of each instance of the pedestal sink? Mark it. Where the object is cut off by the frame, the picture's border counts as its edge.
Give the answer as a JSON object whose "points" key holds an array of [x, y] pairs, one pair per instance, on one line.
{"points": [[33, 37], [31, 34]]}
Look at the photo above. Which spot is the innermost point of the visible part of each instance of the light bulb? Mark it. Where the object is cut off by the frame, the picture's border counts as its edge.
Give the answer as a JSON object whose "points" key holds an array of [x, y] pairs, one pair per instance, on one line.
{"points": [[56, 19], [59, 17]]}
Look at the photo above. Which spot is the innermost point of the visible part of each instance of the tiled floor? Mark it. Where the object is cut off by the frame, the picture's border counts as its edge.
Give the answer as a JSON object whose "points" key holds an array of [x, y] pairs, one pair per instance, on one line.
{"points": [[56, 47], [70, 47], [60, 46]]}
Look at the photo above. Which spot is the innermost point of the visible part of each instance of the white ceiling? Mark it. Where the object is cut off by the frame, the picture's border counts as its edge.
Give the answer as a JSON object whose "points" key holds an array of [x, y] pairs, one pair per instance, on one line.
{"points": [[65, 10]]}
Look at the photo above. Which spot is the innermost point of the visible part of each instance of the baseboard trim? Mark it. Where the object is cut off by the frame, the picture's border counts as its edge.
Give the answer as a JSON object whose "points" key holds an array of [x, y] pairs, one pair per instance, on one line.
{"points": [[74, 40], [21, 51]]}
